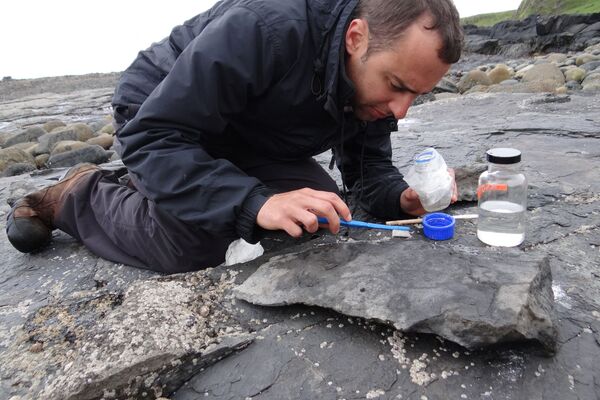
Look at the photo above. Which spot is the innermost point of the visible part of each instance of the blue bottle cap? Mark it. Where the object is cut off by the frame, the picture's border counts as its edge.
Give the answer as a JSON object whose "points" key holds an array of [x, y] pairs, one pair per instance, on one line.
{"points": [[438, 226]]}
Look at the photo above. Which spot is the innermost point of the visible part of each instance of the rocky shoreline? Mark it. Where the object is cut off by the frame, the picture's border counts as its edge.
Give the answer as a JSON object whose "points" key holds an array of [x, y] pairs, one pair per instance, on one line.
{"points": [[11, 89], [30, 142]]}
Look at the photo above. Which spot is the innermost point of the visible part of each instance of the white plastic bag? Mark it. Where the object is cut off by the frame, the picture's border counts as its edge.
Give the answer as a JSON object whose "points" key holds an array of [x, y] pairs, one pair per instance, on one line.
{"points": [[240, 251]]}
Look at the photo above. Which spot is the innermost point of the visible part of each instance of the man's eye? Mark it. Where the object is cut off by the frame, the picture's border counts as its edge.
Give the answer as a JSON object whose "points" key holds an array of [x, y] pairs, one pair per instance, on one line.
{"points": [[397, 88]]}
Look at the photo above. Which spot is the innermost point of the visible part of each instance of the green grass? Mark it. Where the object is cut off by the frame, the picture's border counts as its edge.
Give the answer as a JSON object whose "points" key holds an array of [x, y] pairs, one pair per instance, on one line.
{"points": [[528, 7], [489, 19], [579, 7]]}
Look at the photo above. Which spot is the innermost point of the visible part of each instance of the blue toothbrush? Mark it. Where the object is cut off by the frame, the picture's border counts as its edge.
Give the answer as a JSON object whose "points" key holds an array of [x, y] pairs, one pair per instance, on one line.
{"points": [[369, 225]]}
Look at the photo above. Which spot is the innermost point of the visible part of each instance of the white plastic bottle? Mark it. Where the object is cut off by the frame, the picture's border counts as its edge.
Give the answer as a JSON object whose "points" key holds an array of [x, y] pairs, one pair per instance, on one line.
{"points": [[502, 199], [429, 177]]}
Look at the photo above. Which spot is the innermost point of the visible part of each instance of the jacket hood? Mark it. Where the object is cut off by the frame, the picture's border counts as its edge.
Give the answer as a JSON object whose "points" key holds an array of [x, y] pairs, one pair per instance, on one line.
{"points": [[329, 20]]}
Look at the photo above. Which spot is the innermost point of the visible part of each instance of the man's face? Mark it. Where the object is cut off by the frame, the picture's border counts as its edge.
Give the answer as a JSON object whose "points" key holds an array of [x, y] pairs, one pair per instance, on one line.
{"points": [[388, 81]]}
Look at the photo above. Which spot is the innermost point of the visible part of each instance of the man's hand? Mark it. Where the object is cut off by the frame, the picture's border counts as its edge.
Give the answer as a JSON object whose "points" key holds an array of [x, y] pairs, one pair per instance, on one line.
{"points": [[411, 204], [292, 211]]}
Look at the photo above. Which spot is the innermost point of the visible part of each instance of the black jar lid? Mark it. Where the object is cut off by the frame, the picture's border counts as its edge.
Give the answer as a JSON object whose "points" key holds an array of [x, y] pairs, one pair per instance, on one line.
{"points": [[503, 156]]}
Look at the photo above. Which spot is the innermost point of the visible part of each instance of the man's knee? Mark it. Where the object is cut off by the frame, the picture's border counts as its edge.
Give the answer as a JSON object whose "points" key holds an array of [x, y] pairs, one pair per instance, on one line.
{"points": [[207, 252]]}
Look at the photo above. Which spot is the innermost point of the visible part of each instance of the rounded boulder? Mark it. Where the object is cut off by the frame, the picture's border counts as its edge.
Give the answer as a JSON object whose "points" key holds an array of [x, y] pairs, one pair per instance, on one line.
{"points": [[14, 156], [591, 82], [575, 74], [545, 72], [472, 79], [501, 72], [586, 58]]}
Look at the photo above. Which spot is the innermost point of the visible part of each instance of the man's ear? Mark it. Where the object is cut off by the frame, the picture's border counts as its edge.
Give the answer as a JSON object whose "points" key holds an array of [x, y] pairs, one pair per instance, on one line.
{"points": [[357, 37]]}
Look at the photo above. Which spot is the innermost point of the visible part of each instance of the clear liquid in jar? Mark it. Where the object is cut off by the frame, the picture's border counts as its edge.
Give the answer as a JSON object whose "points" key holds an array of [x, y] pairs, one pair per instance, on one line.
{"points": [[501, 223]]}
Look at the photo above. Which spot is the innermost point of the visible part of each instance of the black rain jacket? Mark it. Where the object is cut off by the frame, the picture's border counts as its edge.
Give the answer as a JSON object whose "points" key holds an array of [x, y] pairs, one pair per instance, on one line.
{"points": [[260, 76]]}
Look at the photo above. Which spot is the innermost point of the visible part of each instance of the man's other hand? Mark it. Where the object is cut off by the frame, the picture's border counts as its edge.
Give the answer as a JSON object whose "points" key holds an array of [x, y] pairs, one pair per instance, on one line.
{"points": [[292, 211], [411, 204]]}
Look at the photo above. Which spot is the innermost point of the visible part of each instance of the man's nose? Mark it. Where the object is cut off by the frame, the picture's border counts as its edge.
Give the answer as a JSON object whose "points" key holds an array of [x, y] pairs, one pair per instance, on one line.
{"points": [[400, 104]]}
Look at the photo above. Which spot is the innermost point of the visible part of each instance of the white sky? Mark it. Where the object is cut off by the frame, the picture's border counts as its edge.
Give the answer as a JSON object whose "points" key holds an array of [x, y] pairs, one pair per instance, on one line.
{"points": [[41, 38]]}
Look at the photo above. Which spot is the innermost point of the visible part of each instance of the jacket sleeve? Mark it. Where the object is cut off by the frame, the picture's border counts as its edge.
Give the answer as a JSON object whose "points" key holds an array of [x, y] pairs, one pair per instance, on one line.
{"points": [[230, 62], [379, 187]]}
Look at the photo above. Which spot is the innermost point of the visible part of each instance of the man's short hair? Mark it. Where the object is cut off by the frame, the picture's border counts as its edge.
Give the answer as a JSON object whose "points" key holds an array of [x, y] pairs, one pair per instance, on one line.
{"points": [[388, 19]]}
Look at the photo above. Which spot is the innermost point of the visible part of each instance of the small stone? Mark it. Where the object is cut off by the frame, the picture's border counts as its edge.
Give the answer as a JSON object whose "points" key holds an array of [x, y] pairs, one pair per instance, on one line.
{"points": [[14, 156], [472, 79], [67, 145], [204, 311], [28, 135], [108, 128], [573, 85], [92, 153], [591, 66], [575, 74], [556, 58], [36, 347], [545, 72], [591, 82], [586, 58], [41, 160], [501, 72], [52, 124], [103, 140], [18, 169]]}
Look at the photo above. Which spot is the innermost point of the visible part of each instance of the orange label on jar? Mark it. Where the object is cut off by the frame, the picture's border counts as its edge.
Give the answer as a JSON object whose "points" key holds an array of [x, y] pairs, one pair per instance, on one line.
{"points": [[489, 187]]}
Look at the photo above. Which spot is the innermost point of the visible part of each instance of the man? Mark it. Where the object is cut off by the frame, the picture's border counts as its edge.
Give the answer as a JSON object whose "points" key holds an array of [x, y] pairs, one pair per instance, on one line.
{"points": [[219, 122]]}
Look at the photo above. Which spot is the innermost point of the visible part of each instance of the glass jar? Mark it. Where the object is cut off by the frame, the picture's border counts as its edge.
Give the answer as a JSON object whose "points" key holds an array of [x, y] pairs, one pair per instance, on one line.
{"points": [[502, 199]]}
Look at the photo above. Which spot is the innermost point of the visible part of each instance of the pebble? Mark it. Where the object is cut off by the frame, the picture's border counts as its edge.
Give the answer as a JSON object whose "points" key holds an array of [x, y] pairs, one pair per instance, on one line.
{"points": [[204, 311], [36, 347]]}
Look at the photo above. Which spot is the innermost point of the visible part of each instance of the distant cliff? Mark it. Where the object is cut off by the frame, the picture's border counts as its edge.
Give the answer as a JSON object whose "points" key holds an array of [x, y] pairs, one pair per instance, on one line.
{"points": [[556, 7], [535, 34], [536, 7]]}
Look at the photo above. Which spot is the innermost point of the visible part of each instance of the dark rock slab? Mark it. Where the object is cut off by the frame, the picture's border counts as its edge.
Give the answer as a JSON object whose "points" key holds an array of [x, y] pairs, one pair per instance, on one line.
{"points": [[321, 365], [471, 297]]}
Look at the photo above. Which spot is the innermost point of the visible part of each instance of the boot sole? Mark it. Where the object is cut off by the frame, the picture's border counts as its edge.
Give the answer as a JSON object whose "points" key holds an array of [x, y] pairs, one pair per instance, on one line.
{"points": [[27, 234]]}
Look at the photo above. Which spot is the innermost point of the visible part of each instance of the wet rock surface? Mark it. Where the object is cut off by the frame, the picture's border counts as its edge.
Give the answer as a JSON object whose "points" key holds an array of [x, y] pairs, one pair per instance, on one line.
{"points": [[71, 323]]}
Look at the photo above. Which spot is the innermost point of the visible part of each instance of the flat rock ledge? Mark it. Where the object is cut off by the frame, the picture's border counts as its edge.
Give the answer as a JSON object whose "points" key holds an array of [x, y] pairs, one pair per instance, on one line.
{"points": [[143, 343], [471, 296]]}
